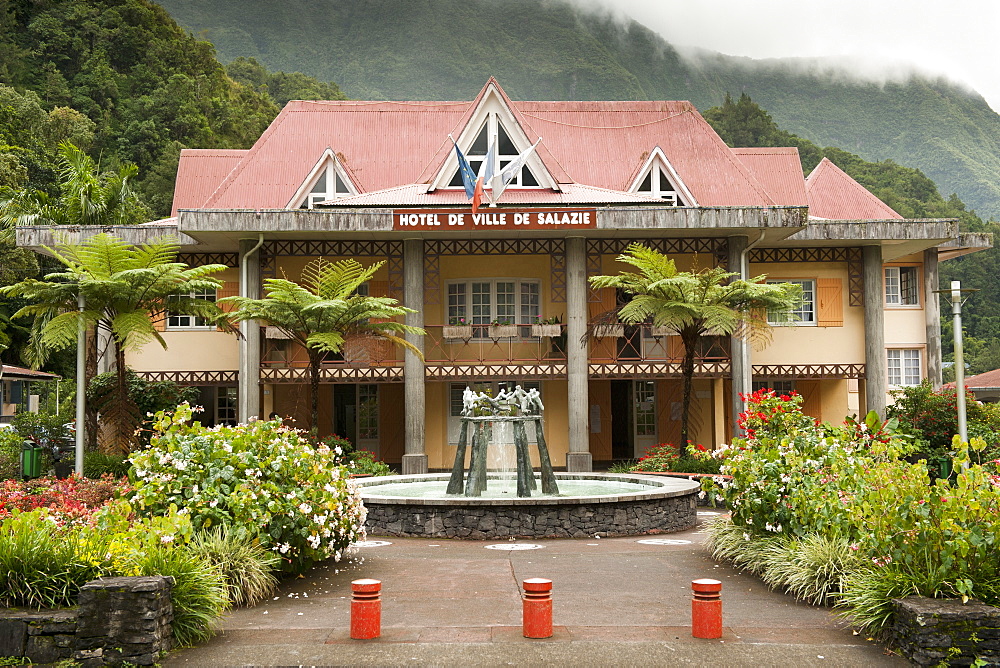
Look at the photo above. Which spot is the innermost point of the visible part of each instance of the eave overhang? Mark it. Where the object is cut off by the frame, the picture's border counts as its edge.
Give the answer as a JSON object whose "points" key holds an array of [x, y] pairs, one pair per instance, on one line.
{"points": [[897, 238], [967, 242]]}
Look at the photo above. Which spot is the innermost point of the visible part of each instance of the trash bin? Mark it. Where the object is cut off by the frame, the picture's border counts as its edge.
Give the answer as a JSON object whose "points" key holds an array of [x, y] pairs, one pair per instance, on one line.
{"points": [[31, 460], [61, 462]]}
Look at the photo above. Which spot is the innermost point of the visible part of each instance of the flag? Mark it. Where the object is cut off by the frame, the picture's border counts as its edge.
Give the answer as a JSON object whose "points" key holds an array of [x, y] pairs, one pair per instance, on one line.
{"points": [[510, 172], [468, 176], [486, 173]]}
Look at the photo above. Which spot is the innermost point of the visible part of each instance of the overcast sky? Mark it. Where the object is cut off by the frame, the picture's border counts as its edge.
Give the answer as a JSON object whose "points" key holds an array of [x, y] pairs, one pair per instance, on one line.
{"points": [[960, 39]]}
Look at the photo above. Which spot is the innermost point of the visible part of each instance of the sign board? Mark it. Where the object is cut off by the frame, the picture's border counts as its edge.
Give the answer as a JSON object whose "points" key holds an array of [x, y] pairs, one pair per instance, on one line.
{"points": [[452, 220]]}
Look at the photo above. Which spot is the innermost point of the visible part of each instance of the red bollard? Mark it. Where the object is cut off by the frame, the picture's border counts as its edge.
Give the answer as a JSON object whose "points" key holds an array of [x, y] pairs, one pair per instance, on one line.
{"points": [[366, 609], [536, 609], [706, 609]]}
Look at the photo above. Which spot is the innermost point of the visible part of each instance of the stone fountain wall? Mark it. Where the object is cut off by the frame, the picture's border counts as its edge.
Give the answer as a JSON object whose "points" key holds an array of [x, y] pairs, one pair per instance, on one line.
{"points": [[544, 519]]}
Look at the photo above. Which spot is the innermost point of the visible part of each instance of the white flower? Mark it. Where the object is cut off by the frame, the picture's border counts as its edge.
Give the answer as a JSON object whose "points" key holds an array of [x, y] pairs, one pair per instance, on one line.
{"points": [[284, 548], [168, 538], [305, 508]]}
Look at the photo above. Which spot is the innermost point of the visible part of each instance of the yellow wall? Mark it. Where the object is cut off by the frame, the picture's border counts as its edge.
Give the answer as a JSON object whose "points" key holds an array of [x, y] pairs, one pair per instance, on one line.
{"points": [[191, 350]]}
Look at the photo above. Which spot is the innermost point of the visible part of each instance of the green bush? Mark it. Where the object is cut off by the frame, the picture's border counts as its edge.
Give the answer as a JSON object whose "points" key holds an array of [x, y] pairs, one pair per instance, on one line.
{"points": [[10, 453], [365, 462], [246, 567], [97, 464], [260, 479], [931, 416]]}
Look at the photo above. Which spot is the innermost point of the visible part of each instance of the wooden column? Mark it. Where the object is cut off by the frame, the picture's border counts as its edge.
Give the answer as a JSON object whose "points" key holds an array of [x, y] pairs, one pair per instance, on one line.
{"points": [[876, 381], [578, 459], [415, 452]]}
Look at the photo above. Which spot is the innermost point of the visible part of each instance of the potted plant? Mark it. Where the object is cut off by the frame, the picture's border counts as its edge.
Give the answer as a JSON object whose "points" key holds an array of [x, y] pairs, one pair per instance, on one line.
{"points": [[502, 328], [551, 327], [458, 328]]}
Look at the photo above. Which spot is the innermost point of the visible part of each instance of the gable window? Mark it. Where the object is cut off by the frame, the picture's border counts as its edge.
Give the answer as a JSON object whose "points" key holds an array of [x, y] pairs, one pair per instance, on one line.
{"points": [[901, 286], [179, 321], [504, 301], [329, 185], [506, 152], [656, 184], [904, 366], [805, 312]]}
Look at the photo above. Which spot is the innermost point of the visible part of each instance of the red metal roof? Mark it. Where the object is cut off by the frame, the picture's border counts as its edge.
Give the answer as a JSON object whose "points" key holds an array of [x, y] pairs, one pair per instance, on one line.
{"points": [[199, 173], [834, 195], [20, 373], [593, 150], [982, 381], [779, 170]]}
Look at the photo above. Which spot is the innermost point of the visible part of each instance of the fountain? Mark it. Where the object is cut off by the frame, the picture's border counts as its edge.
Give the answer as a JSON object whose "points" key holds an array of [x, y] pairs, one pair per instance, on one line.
{"points": [[479, 505]]}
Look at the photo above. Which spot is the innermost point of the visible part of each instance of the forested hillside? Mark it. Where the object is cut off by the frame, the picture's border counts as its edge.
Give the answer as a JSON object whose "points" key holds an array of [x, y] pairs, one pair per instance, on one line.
{"points": [[122, 80], [546, 49]]}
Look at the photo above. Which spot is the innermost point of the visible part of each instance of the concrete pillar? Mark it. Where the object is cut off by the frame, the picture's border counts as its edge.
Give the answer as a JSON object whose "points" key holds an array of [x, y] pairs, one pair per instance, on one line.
{"points": [[415, 449], [932, 317], [249, 379], [578, 459], [876, 381], [739, 364]]}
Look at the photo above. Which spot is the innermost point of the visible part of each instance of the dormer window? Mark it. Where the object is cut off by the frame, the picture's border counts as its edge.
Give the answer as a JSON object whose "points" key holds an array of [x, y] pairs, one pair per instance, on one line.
{"points": [[329, 185], [656, 184], [506, 152]]}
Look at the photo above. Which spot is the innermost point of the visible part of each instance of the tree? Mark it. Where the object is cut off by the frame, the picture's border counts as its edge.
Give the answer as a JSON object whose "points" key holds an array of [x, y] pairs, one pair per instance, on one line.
{"points": [[326, 311], [125, 289], [694, 304]]}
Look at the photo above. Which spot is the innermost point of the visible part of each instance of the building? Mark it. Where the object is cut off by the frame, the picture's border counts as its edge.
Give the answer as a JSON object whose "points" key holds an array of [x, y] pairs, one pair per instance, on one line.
{"points": [[378, 181], [14, 389]]}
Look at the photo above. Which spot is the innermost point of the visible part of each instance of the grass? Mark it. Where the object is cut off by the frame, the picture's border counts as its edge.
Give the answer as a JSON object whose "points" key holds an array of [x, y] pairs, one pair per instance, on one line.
{"points": [[247, 568]]}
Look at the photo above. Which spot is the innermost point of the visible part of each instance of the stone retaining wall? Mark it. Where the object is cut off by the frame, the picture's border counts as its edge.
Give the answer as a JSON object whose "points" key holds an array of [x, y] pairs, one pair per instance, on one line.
{"points": [[626, 518], [932, 631], [118, 621]]}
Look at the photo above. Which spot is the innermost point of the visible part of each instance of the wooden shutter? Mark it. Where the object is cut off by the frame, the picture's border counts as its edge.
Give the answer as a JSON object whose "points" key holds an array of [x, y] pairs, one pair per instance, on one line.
{"points": [[599, 394], [228, 289], [830, 302], [378, 288], [159, 321], [605, 348], [812, 400]]}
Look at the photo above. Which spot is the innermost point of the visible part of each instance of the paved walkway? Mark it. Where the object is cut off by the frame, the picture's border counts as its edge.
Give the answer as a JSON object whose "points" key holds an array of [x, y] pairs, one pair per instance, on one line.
{"points": [[617, 602]]}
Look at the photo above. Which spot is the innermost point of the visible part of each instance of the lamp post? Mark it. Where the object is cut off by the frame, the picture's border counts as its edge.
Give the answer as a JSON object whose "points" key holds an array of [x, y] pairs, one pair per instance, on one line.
{"points": [[81, 388], [956, 309]]}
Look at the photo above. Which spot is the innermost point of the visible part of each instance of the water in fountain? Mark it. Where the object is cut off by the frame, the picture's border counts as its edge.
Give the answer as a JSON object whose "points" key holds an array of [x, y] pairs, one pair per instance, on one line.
{"points": [[503, 458]]}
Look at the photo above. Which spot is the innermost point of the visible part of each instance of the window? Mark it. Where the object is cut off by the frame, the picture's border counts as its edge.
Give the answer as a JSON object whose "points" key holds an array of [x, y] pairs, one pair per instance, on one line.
{"points": [[778, 386], [505, 301], [901, 286], [368, 412], [656, 184], [178, 321], [805, 313], [506, 152], [330, 185], [226, 406], [904, 366]]}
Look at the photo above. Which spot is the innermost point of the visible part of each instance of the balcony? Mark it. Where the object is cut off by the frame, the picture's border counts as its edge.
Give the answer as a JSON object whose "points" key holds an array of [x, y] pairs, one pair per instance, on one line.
{"points": [[528, 352]]}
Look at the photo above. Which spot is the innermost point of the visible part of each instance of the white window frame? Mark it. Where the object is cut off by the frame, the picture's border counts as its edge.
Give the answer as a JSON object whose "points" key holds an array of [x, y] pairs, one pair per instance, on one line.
{"points": [[329, 185], [904, 366], [806, 311], [659, 185], [178, 322], [462, 295], [476, 159], [895, 295]]}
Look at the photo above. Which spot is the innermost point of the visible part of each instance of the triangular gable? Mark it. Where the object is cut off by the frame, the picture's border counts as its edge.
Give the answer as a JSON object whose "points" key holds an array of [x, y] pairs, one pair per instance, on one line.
{"points": [[327, 180], [658, 178], [833, 195], [491, 110]]}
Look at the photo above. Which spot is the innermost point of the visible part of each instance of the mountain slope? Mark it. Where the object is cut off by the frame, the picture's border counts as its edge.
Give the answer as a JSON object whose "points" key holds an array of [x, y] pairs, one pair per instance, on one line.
{"points": [[546, 49]]}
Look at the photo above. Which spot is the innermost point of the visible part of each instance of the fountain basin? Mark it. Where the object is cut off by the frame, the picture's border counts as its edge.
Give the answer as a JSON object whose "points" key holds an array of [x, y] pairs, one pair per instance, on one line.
{"points": [[622, 505]]}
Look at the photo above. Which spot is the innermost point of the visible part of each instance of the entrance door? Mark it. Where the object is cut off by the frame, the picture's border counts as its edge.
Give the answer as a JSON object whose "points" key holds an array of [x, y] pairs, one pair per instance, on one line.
{"points": [[356, 415], [621, 419], [643, 416]]}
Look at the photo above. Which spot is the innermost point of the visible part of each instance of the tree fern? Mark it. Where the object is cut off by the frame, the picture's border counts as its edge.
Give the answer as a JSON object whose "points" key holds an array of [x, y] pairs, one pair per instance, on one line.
{"points": [[325, 311], [696, 304]]}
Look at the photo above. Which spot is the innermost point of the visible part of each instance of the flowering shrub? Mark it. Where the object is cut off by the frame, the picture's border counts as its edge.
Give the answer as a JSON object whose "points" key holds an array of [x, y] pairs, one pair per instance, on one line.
{"points": [[259, 478], [658, 459], [770, 416], [69, 501], [850, 486], [932, 417]]}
